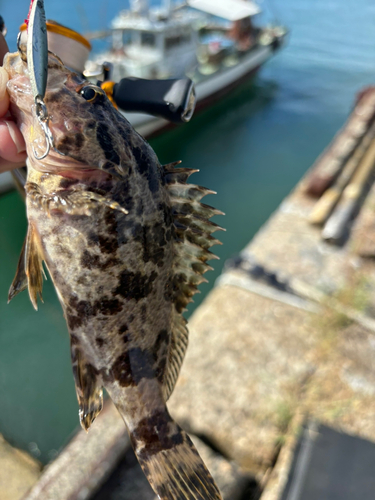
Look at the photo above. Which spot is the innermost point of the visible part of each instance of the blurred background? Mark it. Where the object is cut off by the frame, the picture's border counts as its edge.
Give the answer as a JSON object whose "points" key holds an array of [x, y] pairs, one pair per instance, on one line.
{"points": [[251, 147]]}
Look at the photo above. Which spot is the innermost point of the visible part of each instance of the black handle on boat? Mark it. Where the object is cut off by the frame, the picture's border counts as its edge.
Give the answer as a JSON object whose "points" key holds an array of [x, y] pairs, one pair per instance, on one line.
{"points": [[172, 99]]}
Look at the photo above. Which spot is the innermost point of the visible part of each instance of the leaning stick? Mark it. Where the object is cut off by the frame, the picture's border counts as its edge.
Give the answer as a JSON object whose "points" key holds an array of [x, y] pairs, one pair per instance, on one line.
{"points": [[336, 226], [327, 202], [331, 162]]}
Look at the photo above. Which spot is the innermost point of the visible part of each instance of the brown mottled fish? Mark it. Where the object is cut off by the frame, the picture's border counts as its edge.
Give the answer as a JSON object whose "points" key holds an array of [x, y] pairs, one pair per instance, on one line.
{"points": [[126, 242]]}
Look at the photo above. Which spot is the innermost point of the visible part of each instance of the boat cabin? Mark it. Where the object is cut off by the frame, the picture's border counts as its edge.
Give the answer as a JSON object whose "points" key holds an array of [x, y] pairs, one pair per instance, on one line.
{"points": [[156, 46], [167, 42]]}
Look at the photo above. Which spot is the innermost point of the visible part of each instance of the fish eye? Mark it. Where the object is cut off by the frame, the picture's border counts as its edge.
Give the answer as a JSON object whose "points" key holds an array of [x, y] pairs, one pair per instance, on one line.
{"points": [[90, 94]]}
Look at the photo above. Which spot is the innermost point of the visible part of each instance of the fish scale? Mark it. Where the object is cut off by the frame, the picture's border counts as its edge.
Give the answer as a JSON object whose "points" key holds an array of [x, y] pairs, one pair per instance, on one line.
{"points": [[125, 241]]}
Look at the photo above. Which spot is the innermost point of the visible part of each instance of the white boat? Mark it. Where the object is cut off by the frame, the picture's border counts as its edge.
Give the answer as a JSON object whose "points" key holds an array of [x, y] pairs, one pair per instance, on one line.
{"points": [[183, 41]]}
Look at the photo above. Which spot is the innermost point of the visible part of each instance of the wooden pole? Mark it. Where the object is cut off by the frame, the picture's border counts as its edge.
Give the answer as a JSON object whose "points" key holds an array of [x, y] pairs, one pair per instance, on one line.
{"points": [[338, 223], [333, 159], [325, 205]]}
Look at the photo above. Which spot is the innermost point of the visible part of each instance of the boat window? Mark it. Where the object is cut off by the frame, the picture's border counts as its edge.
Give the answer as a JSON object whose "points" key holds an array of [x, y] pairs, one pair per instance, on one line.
{"points": [[173, 41], [126, 37], [148, 39]]}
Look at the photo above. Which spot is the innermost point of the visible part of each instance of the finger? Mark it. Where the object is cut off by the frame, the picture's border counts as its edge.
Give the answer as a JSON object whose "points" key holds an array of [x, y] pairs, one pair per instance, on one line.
{"points": [[12, 144], [4, 97], [3, 48], [5, 165]]}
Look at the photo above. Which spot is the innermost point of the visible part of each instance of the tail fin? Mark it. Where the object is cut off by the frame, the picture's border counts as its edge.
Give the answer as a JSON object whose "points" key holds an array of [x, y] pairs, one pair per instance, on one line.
{"points": [[171, 462]]}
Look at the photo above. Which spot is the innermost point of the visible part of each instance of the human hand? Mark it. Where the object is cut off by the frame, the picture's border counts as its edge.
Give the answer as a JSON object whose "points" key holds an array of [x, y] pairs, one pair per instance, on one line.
{"points": [[12, 145]]}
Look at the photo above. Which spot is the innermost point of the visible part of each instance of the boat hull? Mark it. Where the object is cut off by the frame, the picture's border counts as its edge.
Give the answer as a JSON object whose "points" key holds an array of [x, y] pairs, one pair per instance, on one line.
{"points": [[209, 90]]}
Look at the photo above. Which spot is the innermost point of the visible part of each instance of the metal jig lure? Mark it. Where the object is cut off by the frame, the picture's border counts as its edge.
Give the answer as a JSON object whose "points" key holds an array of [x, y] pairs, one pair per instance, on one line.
{"points": [[37, 63]]}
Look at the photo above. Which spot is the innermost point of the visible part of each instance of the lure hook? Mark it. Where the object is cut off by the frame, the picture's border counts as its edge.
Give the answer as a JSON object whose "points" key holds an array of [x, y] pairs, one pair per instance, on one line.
{"points": [[19, 41], [43, 119]]}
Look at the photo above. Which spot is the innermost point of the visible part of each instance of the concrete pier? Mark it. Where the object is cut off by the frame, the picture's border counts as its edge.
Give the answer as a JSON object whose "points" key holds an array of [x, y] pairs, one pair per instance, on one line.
{"points": [[18, 471], [262, 359]]}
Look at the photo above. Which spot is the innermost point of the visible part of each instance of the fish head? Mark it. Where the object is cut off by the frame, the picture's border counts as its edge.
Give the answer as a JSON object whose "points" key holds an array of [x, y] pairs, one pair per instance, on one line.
{"points": [[88, 132]]}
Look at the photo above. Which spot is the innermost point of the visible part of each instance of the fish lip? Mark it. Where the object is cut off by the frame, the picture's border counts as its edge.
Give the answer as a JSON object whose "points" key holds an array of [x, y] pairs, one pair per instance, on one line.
{"points": [[22, 109], [13, 63], [18, 82], [6, 63]]}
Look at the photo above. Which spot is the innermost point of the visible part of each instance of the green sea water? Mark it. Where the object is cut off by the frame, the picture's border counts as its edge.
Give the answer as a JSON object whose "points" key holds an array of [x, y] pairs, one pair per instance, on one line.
{"points": [[251, 147]]}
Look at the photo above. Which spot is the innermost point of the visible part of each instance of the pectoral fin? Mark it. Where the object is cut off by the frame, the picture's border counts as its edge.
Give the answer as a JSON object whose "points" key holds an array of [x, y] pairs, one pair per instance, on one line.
{"points": [[29, 269], [34, 266], [20, 280]]}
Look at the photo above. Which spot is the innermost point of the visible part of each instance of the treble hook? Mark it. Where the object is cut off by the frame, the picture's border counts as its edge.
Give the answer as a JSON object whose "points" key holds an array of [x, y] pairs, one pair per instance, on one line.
{"points": [[43, 119], [19, 41]]}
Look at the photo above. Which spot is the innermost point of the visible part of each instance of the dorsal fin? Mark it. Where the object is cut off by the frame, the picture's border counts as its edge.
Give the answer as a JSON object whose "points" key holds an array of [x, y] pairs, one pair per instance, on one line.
{"points": [[30, 269], [89, 392], [192, 242]]}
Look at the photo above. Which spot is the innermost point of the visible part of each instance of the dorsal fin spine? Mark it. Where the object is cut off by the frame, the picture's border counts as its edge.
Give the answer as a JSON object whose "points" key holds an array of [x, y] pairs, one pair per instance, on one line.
{"points": [[201, 223], [192, 236]]}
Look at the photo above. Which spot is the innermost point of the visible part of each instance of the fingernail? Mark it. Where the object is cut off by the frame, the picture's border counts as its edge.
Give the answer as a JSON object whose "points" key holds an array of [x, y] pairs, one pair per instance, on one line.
{"points": [[14, 133], [3, 81]]}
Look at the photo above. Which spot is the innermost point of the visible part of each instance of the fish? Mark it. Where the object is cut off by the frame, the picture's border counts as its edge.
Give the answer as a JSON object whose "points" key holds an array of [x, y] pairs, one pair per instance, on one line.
{"points": [[126, 242]]}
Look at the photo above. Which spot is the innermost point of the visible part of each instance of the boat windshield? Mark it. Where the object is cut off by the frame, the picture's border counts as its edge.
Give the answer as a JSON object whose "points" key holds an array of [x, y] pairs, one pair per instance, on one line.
{"points": [[126, 38], [176, 40], [148, 39]]}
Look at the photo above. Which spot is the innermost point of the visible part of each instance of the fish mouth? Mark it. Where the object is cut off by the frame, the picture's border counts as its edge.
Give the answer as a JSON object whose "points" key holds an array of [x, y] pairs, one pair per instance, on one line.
{"points": [[18, 86], [60, 84], [23, 111], [14, 65]]}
